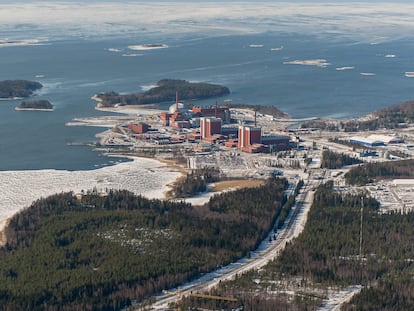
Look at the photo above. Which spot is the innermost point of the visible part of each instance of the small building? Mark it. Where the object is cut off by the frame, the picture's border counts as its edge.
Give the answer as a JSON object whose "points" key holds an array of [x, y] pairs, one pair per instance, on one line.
{"points": [[231, 143], [165, 118], [213, 139], [256, 148], [403, 182], [181, 124], [230, 132]]}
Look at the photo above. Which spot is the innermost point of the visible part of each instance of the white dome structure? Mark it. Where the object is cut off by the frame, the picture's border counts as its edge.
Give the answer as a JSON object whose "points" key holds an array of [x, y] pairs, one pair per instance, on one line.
{"points": [[173, 107]]}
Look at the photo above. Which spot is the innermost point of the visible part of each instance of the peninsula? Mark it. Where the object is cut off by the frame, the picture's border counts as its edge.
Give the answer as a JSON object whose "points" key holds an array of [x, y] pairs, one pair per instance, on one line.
{"points": [[164, 91], [43, 105], [14, 89]]}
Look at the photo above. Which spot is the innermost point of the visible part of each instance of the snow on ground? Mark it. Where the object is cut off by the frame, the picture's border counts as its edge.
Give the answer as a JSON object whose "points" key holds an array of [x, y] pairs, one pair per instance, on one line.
{"points": [[337, 298], [141, 176], [201, 198]]}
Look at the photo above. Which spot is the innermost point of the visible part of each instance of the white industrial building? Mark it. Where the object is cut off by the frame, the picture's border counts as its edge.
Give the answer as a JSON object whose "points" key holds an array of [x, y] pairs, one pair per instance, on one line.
{"points": [[376, 140]]}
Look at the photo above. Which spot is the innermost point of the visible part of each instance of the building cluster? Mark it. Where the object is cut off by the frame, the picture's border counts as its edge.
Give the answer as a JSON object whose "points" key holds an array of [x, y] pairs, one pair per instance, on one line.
{"points": [[209, 125]]}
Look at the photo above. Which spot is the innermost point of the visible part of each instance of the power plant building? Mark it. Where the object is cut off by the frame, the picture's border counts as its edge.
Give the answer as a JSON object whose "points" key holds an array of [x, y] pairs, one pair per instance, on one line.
{"points": [[222, 112], [139, 128], [277, 143], [375, 140], [249, 135], [209, 127]]}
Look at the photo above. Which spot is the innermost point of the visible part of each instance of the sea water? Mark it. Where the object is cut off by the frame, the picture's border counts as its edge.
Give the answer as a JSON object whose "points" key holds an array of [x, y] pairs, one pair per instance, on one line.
{"points": [[303, 75]]}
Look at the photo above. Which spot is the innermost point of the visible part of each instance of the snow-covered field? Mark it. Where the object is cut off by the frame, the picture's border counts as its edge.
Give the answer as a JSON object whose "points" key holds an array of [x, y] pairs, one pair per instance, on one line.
{"points": [[141, 176]]}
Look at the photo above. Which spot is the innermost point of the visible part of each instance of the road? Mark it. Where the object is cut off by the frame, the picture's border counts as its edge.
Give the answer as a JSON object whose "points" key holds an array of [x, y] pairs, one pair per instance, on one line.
{"points": [[266, 252]]}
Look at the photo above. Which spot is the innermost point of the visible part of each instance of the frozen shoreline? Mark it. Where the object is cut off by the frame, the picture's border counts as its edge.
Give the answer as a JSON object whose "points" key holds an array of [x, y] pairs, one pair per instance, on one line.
{"points": [[147, 177]]}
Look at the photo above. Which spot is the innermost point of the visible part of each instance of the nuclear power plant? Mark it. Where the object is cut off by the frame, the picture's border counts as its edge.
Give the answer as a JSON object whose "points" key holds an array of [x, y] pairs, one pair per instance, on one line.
{"points": [[210, 125]]}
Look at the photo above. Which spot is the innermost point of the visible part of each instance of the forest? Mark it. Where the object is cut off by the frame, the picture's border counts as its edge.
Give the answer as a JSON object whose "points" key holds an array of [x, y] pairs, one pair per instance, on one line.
{"points": [[164, 91], [395, 116], [328, 253], [370, 172], [35, 104], [195, 182], [67, 252], [334, 160], [18, 88]]}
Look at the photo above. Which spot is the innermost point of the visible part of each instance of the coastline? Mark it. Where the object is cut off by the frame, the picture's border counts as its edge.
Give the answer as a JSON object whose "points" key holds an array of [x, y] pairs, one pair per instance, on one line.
{"points": [[33, 109], [146, 109], [11, 98], [142, 176]]}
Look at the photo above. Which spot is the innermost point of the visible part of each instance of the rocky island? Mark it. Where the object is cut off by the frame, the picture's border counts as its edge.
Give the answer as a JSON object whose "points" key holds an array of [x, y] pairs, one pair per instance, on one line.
{"points": [[14, 89], [164, 91], [43, 105]]}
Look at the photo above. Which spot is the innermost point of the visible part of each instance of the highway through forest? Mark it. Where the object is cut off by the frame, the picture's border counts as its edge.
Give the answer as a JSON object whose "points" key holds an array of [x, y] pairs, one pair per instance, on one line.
{"points": [[267, 251]]}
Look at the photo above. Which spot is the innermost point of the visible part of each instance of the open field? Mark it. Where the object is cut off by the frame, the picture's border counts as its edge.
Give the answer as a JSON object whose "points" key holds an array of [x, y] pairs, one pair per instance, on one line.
{"points": [[236, 184]]}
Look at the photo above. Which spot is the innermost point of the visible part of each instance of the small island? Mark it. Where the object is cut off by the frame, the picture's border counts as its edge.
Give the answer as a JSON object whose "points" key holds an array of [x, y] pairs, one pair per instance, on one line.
{"points": [[15, 89], [164, 91], [42, 105]]}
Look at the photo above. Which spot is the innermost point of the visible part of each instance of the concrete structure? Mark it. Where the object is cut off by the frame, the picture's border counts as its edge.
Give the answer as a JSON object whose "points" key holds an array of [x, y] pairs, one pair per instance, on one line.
{"points": [[249, 135], [222, 112], [376, 140], [165, 118], [366, 141], [209, 127], [230, 132], [139, 128], [177, 107], [276, 143], [387, 139], [256, 148], [403, 182], [231, 143]]}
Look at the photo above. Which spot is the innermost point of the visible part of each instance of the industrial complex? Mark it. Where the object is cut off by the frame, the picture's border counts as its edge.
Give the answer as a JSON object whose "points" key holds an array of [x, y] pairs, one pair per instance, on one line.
{"points": [[212, 125]]}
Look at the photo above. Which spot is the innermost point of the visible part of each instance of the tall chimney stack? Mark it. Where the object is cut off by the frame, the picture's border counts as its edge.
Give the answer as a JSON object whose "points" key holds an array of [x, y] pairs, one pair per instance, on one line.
{"points": [[176, 101], [255, 118]]}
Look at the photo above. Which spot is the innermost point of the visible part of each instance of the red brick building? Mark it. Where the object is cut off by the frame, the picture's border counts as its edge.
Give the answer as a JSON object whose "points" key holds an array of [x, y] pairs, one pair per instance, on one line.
{"points": [[209, 127], [249, 135], [138, 128], [222, 112]]}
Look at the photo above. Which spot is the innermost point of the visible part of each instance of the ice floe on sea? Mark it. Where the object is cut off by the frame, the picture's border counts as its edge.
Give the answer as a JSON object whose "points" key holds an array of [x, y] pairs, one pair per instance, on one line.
{"points": [[143, 47], [131, 55], [345, 68], [141, 176], [309, 62], [115, 50], [277, 49], [99, 18], [5, 42]]}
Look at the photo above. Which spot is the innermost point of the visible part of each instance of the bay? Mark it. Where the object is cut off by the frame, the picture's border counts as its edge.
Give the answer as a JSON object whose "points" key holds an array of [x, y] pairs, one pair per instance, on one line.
{"points": [[355, 78]]}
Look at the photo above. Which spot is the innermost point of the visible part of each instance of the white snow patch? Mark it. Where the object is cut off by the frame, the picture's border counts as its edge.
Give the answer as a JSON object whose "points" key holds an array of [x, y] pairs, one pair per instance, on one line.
{"points": [[141, 176]]}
